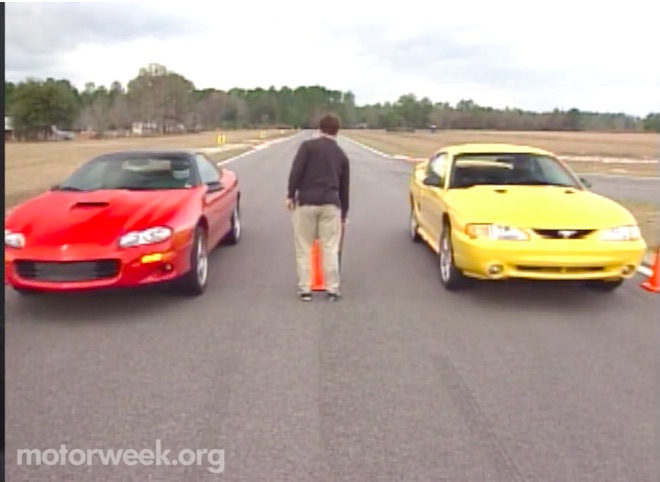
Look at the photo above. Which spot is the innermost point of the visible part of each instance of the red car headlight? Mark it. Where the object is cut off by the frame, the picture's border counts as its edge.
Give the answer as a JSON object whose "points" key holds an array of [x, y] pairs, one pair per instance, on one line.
{"points": [[145, 237], [14, 240]]}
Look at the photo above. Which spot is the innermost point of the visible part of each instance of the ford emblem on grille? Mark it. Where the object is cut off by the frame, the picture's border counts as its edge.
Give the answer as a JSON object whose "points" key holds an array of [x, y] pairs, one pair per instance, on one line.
{"points": [[566, 234]]}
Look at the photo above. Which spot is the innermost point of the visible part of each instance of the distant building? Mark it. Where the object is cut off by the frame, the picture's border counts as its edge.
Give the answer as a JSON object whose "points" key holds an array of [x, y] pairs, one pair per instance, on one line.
{"points": [[60, 135], [9, 129], [144, 128]]}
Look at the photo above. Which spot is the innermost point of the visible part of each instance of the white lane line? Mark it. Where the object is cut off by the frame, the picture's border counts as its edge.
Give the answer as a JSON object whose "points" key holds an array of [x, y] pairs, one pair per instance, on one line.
{"points": [[255, 149], [646, 271], [236, 158], [368, 148], [608, 160], [619, 176]]}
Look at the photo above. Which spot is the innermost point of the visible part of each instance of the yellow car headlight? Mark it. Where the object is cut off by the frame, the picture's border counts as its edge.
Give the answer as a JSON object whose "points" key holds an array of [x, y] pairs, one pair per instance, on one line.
{"points": [[496, 232], [621, 233], [14, 240]]}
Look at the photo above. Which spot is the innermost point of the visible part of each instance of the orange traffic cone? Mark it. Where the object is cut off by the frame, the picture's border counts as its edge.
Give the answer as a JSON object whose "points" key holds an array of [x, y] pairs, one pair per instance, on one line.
{"points": [[318, 283], [652, 284]]}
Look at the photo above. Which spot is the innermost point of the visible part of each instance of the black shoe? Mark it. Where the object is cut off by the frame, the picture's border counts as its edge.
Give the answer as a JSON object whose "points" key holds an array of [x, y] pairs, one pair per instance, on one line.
{"points": [[305, 296], [334, 296]]}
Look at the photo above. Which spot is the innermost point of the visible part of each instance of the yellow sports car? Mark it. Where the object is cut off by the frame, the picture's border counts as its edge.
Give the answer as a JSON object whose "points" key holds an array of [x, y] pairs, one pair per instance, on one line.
{"points": [[498, 211]]}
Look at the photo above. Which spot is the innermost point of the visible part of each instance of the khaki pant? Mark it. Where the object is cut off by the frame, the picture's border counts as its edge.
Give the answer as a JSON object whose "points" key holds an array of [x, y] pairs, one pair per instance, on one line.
{"points": [[324, 222]]}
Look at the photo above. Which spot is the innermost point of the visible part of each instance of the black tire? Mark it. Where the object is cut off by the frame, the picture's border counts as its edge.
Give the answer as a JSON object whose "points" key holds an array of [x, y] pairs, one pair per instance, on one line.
{"points": [[414, 227], [194, 282], [451, 277], [604, 286], [234, 235]]}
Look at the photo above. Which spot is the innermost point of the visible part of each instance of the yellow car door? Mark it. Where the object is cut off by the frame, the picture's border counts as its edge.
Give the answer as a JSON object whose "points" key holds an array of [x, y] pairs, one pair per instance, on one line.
{"points": [[417, 188], [432, 203]]}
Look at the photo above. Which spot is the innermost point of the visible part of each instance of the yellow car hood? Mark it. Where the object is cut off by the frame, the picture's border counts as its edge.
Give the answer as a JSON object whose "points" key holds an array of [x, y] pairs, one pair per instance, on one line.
{"points": [[549, 207]]}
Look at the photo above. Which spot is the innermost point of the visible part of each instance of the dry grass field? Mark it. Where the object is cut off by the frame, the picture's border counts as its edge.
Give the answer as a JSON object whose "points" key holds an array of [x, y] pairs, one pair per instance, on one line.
{"points": [[31, 168], [628, 146], [566, 144]]}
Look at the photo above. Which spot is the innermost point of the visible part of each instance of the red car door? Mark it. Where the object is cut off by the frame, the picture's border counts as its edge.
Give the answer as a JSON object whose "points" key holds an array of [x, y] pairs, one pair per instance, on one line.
{"points": [[229, 183], [216, 200]]}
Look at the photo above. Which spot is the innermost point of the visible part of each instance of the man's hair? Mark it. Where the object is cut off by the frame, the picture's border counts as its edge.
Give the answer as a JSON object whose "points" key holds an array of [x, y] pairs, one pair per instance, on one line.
{"points": [[329, 125]]}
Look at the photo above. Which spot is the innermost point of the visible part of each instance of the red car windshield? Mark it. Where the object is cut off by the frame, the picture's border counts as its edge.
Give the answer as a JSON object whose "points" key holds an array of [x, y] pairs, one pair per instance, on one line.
{"points": [[510, 169], [132, 174]]}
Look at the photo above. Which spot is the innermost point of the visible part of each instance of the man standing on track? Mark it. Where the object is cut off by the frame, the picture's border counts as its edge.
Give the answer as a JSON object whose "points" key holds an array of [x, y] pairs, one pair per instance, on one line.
{"points": [[318, 196]]}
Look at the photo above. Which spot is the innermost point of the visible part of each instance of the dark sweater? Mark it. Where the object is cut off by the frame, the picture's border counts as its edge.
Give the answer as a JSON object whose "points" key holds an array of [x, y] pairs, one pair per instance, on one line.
{"points": [[320, 175]]}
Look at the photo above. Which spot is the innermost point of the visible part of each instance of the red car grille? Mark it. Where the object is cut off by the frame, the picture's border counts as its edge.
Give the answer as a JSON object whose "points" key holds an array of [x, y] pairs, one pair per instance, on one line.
{"points": [[67, 271]]}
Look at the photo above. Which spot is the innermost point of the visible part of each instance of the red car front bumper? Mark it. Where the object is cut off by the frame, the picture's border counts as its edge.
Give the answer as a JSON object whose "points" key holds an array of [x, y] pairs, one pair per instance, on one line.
{"points": [[83, 267]]}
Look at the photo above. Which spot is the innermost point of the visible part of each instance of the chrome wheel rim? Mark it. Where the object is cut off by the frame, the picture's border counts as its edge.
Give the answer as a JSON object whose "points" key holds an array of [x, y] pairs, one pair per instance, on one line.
{"points": [[202, 262], [237, 224], [445, 259]]}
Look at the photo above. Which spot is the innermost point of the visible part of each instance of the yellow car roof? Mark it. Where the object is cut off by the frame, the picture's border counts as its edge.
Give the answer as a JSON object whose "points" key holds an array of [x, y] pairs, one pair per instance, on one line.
{"points": [[486, 148]]}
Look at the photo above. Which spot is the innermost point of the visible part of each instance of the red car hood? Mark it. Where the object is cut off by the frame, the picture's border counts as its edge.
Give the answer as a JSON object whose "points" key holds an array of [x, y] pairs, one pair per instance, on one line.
{"points": [[98, 217]]}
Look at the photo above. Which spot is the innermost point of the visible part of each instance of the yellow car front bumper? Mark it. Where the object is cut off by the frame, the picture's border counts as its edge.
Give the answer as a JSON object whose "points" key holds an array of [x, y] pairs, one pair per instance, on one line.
{"points": [[548, 259]]}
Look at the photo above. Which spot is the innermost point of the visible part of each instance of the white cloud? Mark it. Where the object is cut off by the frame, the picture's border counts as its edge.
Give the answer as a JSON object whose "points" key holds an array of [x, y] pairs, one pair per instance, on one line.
{"points": [[564, 54]]}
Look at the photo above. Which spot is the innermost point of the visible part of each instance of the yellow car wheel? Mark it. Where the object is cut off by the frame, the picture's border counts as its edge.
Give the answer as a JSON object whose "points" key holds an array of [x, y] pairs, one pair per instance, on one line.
{"points": [[451, 277], [414, 227]]}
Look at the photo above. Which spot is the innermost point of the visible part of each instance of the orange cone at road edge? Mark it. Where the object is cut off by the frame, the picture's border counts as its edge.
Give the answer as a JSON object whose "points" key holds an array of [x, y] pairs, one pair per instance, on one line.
{"points": [[318, 283], [652, 284]]}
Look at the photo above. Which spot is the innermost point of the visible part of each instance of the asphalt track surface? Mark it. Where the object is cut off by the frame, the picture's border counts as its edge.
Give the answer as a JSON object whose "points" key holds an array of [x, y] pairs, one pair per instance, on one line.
{"points": [[398, 381], [638, 189]]}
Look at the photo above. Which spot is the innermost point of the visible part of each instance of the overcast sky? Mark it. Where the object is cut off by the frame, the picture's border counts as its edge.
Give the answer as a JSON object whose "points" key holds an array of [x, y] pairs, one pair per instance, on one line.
{"points": [[535, 55]]}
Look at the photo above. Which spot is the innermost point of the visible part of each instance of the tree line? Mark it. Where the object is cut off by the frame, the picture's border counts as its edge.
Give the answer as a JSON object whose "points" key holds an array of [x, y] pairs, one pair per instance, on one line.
{"points": [[159, 100]]}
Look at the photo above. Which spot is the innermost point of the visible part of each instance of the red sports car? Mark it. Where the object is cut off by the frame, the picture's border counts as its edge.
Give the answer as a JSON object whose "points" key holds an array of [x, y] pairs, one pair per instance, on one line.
{"points": [[124, 219]]}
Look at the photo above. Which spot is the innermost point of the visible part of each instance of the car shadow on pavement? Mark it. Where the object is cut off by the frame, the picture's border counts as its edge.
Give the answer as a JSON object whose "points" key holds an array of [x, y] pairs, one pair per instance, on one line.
{"points": [[107, 305], [115, 305], [556, 296]]}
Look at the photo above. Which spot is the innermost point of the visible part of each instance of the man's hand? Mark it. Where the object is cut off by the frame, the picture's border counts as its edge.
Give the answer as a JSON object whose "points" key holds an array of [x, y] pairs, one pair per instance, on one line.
{"points": [[290, 204]]}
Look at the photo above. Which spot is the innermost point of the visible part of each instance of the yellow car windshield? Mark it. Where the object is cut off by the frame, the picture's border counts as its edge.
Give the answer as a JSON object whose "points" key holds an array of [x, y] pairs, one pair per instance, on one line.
{"points": [[510, 169]]}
